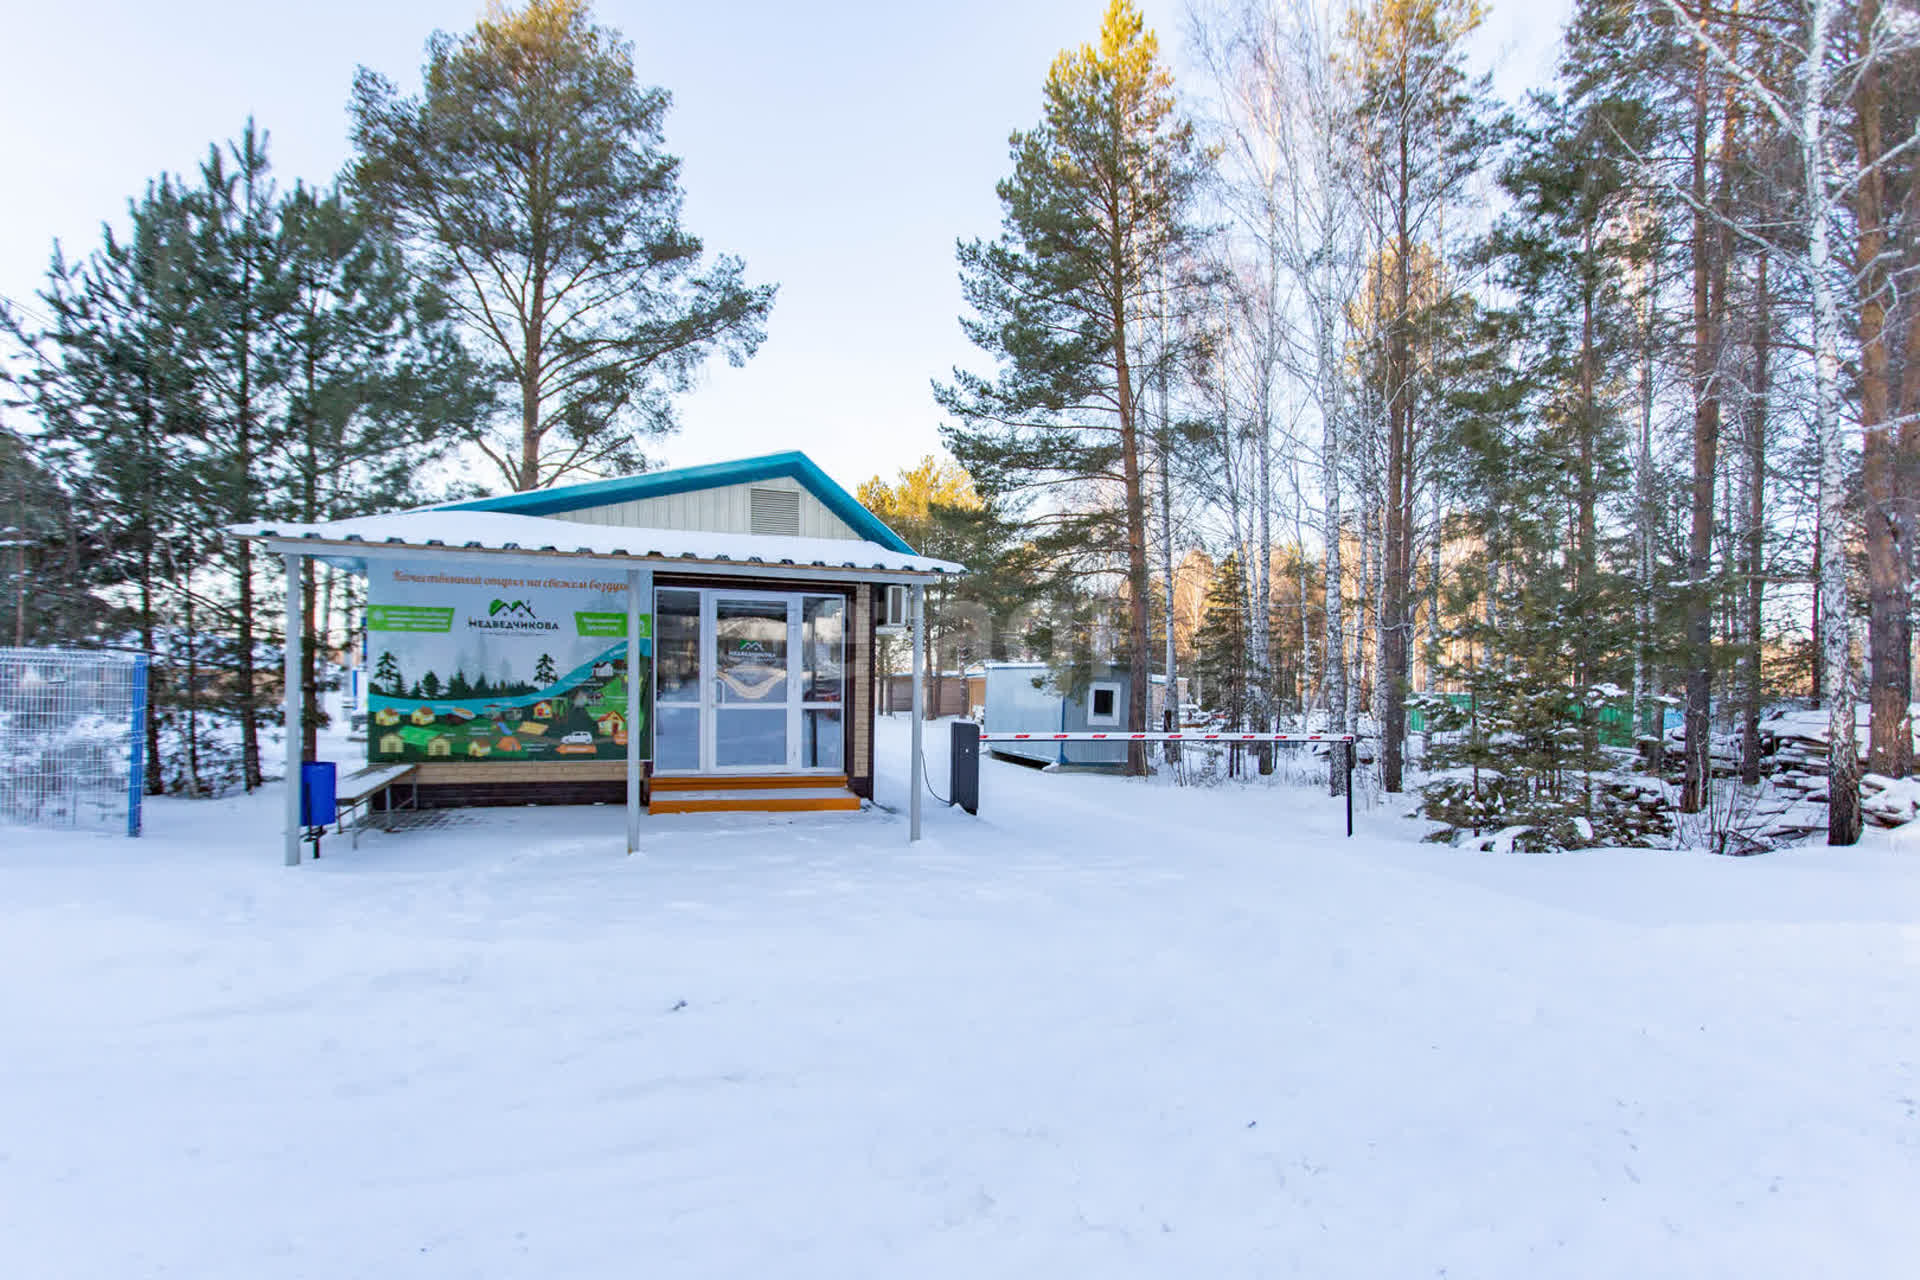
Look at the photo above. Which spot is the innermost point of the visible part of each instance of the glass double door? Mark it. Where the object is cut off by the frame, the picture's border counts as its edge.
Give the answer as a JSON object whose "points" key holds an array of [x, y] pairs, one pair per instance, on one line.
{"points": [[748, 681]]}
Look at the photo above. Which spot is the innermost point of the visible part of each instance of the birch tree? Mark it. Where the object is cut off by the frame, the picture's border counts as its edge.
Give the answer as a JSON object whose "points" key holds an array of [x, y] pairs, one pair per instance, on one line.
{"points": [[1095, 217], [1422, 136], [1284, 104]]}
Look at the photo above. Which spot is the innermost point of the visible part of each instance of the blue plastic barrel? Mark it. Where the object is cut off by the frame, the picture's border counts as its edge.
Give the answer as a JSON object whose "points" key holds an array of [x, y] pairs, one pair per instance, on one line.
{"points": [[318, 806]]}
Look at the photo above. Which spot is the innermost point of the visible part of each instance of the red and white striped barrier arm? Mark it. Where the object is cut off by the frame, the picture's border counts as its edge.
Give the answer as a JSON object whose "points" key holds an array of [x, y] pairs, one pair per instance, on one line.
{"points": [[1166, 737]]}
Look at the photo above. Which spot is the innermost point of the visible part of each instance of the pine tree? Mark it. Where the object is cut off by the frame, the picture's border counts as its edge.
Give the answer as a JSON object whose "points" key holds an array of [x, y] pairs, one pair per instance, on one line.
{"points": [[911, 506], [386, 675], [110, 379], [1095, 223], [378, 386], [935, 507], [530, 182], [242, 372], [1536, 630], [229, 356], [1885, 205], [31, 504], [1297, 626], [1222, 644], [1564, 252]]}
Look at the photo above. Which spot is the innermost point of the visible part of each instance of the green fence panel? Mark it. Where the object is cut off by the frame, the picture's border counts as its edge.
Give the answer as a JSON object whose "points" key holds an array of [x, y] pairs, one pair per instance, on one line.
{"points": [[1614, 720]]}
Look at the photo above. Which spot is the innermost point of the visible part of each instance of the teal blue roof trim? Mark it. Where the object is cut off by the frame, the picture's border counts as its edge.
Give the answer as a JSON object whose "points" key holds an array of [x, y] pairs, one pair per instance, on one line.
{"points": [[794, 466]]}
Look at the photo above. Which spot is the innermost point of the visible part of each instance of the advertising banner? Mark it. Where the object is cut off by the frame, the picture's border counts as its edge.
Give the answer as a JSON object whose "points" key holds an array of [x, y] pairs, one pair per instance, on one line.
{"points": [[475, 664]]}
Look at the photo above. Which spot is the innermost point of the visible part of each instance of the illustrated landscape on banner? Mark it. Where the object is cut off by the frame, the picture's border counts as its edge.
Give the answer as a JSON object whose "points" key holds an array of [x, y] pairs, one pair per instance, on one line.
{"points": [[491, 666]]}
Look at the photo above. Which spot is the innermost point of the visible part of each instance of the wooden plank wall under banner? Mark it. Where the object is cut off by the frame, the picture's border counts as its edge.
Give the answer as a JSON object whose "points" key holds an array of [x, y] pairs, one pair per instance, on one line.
{"points": [[493, 783], [524, 771]]}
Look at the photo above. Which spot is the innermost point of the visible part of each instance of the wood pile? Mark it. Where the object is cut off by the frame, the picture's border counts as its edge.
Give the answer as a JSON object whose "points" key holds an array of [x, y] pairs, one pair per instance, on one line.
{"points": [[1799, 769]]}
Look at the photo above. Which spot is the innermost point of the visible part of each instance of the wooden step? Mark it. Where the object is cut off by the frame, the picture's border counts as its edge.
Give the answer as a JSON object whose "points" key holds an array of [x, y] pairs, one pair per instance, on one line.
{"points": [[781, 799], [749, 782]]}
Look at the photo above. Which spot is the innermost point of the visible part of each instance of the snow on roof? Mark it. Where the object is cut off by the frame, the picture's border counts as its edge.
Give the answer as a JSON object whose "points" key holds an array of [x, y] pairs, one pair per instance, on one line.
{"points": [[495, 532]]}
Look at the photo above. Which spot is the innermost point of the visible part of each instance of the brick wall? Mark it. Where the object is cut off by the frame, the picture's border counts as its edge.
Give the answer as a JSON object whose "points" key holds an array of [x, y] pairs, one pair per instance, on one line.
{"points": [[860, 693]]}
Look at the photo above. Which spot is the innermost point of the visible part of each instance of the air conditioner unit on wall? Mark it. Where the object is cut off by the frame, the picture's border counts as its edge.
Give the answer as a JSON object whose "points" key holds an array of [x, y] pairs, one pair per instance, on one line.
{"points": [[895, 609]]}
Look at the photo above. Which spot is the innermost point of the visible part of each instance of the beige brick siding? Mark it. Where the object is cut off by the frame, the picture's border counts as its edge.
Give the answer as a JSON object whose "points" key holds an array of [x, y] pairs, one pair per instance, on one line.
{"points": [[860, 686]]}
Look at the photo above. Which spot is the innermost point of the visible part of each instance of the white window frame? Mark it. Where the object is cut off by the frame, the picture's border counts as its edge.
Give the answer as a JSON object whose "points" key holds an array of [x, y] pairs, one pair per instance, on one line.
{"points": [[1113, 717], [709, 708]]}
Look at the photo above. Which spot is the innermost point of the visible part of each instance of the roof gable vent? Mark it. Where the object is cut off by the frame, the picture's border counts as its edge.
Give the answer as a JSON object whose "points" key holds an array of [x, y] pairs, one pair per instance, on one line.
{"points": [[776, 511]]}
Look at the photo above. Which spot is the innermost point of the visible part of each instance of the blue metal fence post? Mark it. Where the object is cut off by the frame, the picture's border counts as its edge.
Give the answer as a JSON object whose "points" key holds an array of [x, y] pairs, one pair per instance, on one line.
{"points": [[137, 756]]}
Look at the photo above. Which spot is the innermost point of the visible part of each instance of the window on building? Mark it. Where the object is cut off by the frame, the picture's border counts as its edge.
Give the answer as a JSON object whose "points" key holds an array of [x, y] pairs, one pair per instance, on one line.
{"points": [[1103, 704]]}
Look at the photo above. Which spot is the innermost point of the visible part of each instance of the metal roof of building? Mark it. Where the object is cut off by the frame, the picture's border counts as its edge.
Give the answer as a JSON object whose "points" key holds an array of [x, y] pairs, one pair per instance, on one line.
{"points": [[792, 465], [451, 530]]}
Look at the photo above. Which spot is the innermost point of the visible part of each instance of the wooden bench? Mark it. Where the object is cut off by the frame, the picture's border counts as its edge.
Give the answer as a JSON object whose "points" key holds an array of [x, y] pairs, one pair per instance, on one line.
{"points": [[354, 795]]}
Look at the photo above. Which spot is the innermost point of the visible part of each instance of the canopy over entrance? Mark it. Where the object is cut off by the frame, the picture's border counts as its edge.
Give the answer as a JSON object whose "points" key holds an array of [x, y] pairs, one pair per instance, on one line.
{"points": [[789, 538]]}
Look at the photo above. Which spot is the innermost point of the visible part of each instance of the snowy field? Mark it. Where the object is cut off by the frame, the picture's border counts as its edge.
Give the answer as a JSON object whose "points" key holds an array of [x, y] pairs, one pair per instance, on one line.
{"points": [[1105, 1029]]}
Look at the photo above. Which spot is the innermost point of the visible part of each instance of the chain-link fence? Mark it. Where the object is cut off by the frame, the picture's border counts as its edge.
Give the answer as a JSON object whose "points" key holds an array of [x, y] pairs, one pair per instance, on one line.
{"points": [[72, 738]]}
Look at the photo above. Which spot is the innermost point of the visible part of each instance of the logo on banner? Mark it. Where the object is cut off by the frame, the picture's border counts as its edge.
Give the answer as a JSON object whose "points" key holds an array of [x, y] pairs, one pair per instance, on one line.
{"points": [[511, 615]]}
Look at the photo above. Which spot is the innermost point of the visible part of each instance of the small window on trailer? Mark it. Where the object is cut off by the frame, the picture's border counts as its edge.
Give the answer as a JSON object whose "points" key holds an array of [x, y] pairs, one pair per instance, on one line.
{"points": [[1103, 704], [775, 511]]}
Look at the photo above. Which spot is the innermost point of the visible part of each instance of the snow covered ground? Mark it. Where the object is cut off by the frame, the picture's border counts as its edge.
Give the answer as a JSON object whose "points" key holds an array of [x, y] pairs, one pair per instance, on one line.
{"points": [[1105, 1029]]}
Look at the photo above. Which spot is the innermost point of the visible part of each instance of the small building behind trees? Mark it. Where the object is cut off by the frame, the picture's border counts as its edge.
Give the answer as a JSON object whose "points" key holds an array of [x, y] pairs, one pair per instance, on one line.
{"points": [[1029, 697]]}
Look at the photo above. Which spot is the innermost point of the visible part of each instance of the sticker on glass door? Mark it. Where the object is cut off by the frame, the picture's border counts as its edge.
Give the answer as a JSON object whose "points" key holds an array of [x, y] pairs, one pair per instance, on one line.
{"points": [[750, 693]]}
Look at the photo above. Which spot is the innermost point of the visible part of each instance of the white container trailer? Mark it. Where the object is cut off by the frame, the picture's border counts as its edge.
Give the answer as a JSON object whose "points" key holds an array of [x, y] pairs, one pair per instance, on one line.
{"points": [[1022, 698]]}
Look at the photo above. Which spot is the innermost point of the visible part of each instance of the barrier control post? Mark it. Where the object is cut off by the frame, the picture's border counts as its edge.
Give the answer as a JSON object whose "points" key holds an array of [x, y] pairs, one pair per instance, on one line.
{"points": [[963, 770]]}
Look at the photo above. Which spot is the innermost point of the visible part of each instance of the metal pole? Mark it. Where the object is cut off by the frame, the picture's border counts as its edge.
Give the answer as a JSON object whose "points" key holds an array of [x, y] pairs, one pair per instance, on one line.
{"points": [[919, 708], [20, 594], [1346, 758], [632, 711], [639, 586], [137, 756], [295, 710]]}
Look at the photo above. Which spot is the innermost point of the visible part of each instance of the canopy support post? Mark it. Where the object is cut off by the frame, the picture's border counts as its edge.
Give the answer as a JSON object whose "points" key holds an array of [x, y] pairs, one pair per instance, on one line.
{"points": [[916, 771], [295, 709], [639, 594]]}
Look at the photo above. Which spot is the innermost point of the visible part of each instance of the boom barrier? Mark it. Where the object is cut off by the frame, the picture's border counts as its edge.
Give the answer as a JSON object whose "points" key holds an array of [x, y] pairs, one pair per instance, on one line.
{"points": [[967, 737]]}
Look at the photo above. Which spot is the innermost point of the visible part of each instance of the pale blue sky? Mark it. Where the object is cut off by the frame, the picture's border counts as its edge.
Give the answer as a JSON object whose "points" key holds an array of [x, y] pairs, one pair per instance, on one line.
{"points": [[838, 147]]}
